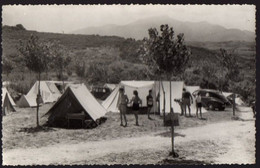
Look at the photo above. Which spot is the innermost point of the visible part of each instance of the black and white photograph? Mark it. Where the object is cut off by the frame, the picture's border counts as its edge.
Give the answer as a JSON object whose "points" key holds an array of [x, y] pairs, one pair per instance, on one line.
{"points": [[128, 84]]}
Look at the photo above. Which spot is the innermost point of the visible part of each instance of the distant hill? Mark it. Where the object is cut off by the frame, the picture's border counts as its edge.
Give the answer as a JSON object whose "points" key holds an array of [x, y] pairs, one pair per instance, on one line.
{"points": [[193, 31], [116, 58]]}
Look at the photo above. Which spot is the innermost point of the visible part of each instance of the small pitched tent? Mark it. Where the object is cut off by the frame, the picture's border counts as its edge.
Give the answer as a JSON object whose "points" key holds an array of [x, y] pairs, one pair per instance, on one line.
{"points": [[49, 91], [26, 101], [76, 99], [49, 94], [7, 102]]}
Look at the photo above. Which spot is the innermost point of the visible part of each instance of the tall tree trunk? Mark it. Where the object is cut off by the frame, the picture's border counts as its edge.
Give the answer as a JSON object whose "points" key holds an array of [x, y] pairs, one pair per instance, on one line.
{"points": [[172, 119], [63, 85], [163, 104], [38, 101], [159, 102]]}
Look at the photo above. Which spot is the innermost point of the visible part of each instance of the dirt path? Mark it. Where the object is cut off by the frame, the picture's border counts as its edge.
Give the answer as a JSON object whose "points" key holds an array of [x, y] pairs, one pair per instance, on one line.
{"points": [[236, 136]]}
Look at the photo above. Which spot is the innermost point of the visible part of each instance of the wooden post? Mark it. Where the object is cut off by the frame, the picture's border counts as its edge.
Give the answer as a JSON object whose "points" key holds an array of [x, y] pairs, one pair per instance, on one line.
{"points": [[234, 104], [163, 105], [173, 153], [172, 118], [38, 101]]}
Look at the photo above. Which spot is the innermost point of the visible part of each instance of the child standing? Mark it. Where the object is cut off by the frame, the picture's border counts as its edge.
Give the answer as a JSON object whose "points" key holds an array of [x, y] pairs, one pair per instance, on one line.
{"points": [[198, 105], [149, 100], [136, 101], [122, 105]]}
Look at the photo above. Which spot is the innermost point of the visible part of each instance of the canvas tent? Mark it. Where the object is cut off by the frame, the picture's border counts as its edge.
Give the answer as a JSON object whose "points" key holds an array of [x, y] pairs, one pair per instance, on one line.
{"points": [[7, 102], [76, 99], [238, 99], [143, 88], [49, 94], [26, 101], [5, 83], [176, 91], [110, 86]]}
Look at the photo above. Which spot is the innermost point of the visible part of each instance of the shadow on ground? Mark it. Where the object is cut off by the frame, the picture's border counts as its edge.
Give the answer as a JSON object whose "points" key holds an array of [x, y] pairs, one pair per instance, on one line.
{"points": [[180, 161], [168, 134], [36, 129]]}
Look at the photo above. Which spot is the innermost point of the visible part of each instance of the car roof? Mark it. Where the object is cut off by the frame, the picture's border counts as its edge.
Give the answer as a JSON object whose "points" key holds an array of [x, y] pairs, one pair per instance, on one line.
{"points": [[209, 90]]}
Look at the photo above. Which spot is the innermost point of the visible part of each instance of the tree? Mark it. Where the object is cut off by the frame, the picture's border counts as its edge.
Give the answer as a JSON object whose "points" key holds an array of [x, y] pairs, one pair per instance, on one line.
{"points": [[164, 54], [80, 68], [97, 72], [60, 60], [231, 69], [36, 57], [209, 73], [7, 66], [20, 27]]}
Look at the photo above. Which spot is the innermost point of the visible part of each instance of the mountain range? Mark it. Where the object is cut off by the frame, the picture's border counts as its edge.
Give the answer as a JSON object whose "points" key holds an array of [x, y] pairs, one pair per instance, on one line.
{"points": [[193, 31]]}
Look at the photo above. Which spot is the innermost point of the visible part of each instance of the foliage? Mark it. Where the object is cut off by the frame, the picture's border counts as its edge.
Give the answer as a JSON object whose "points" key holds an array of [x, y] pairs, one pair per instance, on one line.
{"points": [[35, 54], [230, 64], [164, 54], [60, 59], [80, 68], [97, 72], [129, 50], [7, 66], [20, 27]]}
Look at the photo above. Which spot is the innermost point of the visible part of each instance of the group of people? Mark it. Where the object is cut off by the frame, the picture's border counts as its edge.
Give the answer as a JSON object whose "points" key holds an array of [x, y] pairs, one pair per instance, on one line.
{"points": [[136, 102], [186, 102]]}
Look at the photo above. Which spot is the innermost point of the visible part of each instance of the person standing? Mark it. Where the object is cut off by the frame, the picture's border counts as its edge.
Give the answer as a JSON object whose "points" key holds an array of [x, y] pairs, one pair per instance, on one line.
{"points": [[198, 105], [136, 101], [122, 105], [149, 100], [186, 100]]}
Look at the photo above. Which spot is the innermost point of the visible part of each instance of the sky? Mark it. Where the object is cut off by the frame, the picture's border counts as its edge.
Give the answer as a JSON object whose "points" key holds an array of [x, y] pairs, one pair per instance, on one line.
{"points": [[68, 18]]}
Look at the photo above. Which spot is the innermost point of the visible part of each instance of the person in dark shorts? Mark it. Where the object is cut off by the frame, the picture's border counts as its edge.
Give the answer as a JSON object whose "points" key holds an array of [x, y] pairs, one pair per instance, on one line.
{"points": [[149, 100], [186, 101], [179, 101], [122, 105], [136, 102], [198, 105]]}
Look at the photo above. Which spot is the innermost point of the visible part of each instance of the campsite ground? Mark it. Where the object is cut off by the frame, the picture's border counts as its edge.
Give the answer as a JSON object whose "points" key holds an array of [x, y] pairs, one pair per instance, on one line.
{"points": [[216, 139]]}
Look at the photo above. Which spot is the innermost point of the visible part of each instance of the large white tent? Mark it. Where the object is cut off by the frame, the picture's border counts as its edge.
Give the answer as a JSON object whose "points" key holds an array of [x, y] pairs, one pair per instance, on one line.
{"points": [[176, 93], [7, 102], [143, 88], [49, 93], [76, 98]]}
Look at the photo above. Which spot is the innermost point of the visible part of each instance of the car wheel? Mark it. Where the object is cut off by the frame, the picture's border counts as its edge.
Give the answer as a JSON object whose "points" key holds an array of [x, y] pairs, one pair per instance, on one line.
{"points": [[221, 109], [211, 106]]}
